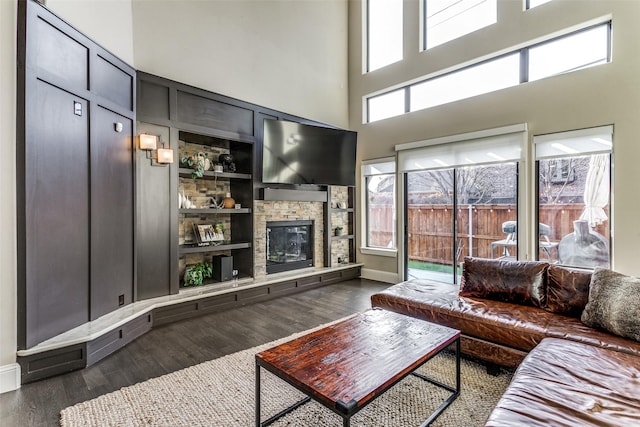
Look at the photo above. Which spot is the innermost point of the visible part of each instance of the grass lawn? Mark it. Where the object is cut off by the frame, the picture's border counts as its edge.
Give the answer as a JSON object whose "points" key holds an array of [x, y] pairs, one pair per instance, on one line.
{"points": [[429, 266]]}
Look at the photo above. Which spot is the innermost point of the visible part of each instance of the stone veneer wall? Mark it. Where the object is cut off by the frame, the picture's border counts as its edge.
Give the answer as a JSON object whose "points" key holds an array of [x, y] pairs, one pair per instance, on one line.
{"points": [[285, 211]]}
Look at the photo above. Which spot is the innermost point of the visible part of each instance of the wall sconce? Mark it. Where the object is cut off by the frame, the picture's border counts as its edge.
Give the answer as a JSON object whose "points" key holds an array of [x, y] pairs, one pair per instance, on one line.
{"points": [[158, 156], [165, 155], [148, 142]]}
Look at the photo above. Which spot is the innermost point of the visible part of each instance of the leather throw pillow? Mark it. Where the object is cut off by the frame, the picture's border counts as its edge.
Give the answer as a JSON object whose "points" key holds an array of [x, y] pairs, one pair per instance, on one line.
{"points": [[519, 282], [567, 290], [614, 303]]}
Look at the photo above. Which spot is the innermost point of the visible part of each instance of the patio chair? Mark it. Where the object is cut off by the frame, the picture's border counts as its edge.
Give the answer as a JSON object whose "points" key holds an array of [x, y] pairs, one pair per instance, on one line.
{"points": [[510, 228]]}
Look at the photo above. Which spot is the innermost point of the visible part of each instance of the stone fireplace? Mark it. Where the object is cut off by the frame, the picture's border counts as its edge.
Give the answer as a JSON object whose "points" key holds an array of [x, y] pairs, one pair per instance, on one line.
{"points": [[289, 245], [287, 211]]}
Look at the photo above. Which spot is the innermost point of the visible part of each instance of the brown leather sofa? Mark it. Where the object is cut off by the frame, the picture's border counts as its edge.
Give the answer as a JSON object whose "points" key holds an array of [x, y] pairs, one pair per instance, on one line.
{"points": [[509, 310]]}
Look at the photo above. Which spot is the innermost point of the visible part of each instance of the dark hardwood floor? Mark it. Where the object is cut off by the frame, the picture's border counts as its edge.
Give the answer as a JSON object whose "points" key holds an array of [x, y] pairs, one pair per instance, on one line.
{"points": [[171, 347]]}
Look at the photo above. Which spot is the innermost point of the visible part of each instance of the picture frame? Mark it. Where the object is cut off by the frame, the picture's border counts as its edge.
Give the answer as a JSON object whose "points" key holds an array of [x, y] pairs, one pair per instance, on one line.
{"points": [[207, 234]]}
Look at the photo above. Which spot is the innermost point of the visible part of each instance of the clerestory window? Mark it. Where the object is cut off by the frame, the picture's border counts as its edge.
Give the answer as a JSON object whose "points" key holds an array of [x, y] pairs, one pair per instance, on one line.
{"points": [[384, 33], [575, 51], [446, 20]]}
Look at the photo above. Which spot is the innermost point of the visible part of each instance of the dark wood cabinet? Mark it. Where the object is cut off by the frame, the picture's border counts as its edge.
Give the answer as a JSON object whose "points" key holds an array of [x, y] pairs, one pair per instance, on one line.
{"points": [[187, 117], [98, 222], [154, 221], [112, 215], [74, 177], [55, 233]]}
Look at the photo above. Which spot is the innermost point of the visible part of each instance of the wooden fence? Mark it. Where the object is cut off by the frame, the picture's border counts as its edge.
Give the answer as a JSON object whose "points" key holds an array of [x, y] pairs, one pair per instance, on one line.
{"points": [[430, 228]]}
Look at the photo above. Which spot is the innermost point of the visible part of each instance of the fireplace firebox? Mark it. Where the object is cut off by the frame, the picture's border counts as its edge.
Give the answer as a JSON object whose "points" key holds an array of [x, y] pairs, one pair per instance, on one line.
{"points": [[289, 245]]}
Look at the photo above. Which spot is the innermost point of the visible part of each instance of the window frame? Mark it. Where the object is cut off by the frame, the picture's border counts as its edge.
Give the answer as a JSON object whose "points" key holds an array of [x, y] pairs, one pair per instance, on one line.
{"points": [[364, 244], [586, 133]]}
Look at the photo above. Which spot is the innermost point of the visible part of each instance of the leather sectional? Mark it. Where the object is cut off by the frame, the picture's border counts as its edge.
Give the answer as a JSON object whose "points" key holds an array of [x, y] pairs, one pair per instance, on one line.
{"points": [[528, 315]]}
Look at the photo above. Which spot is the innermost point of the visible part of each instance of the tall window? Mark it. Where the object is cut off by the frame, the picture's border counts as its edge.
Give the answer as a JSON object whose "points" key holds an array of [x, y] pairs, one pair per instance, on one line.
{"points": [[446, 20], [530, 4], [384, 33], [379, 181], [574, 199], [461, 200]]}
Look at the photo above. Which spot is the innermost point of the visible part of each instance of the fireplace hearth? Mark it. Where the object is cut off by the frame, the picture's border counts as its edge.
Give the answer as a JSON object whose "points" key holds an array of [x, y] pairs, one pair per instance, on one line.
{"points": [[289, 245]]}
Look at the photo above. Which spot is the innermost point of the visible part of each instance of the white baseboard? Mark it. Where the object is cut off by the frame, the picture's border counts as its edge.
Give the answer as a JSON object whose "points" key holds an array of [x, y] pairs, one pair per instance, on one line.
{"points": [[9, 377], [381, 276]]}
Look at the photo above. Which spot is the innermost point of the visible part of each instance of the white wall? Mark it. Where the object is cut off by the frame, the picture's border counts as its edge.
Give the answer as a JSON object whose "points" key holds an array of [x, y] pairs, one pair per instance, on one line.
{"points": [[286, 55], [8, 334], [282, 54], [607, 94], [107, 22]]}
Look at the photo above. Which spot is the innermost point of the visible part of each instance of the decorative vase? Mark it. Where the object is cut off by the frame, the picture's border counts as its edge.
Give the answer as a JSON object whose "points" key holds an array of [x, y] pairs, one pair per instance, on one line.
{"points": [[228, 202], [207, 164], [227, 162]]}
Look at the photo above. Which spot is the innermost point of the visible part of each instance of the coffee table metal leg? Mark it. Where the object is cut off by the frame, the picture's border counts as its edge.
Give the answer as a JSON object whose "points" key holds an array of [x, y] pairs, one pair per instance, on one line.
{"points": [[455, 392], [257, 395], [280, 414], [457, 367]]}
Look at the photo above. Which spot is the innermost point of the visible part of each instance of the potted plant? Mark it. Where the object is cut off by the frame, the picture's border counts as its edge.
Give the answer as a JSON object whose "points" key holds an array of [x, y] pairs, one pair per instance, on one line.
{"points": [[194, 275], [196, 163], [219, 227], [338, 231]]}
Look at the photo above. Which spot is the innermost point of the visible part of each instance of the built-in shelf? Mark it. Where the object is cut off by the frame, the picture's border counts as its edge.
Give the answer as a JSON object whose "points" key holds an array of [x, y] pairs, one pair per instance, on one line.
{"points": [[213, 211], [345, 236], [186, 173], [342, 210], [192, 249]]}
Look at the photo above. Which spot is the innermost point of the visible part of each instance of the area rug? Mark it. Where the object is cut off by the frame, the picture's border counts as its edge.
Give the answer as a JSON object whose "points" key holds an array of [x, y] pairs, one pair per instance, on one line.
{"points": [[221, 392]]}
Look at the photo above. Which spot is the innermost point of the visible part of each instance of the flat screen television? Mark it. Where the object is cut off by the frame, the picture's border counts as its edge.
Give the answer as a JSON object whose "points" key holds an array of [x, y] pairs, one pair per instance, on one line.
{"points": [[296, 153]]}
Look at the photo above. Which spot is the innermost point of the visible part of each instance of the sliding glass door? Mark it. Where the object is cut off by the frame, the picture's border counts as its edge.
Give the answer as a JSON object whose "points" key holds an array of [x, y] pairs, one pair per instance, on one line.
{"points": [[457, 212], [430, 225]]}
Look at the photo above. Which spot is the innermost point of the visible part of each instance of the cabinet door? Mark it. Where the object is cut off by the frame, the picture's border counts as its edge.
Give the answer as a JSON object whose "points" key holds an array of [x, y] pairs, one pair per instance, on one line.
{"points": [[156, 231], [57, 213], [111, 212]]}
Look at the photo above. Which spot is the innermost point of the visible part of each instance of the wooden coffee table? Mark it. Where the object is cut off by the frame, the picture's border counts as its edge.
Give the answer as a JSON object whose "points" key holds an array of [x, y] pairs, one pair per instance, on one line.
{"points": [[347, 365]]}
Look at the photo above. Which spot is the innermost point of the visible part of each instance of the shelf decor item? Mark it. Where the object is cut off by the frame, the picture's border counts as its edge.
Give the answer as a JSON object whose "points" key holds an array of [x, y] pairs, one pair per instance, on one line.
{"points": [[196, 163], [217, 202], [194, 275], [227, 162], [338, 231], [207, 233], [228, 202]]}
